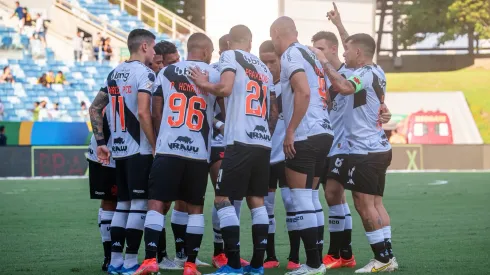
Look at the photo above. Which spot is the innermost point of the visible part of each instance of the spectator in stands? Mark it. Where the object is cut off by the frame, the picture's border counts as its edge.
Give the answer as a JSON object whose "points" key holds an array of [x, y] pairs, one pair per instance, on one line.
{"points": [[3, 138], [397, 138], [43, 81], [107, 49], [35, 111], [78, 46], [40, 29], [27, 17], [43, 112], [50, 78], [98, 44], [7, 76], [19, 11], [2, 109], [55, 113], [60, 78], [83, 113]]}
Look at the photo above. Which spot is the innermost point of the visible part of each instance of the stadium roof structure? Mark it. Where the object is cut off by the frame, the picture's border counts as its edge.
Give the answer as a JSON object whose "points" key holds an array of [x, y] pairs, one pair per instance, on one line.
{"points": [[454, 104]]}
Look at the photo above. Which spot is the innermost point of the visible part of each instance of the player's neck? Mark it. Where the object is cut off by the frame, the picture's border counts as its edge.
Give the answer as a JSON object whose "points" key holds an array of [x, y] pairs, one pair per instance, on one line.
{"points": [[239, 47], [194, 57], [362, 63], [137, 57]]}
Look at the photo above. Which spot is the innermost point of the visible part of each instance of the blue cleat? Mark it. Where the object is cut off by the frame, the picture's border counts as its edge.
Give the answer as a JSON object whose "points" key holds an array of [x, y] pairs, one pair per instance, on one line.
{"points": [[227, 270], [114, 270], [129, 271], [249, 270]]}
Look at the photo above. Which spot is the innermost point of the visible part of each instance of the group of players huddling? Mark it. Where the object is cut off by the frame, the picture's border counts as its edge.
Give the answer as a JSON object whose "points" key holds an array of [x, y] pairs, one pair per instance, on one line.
{"points": [[294, 117]]}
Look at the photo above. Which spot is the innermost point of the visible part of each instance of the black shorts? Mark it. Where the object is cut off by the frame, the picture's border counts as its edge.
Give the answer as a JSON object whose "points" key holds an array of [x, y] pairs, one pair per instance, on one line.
{"points": [[102, 181], [244, 172], [310, 156], [174, 178], [132, 177], [277, 175], [367, 173], [217, 154], [335, 168]]}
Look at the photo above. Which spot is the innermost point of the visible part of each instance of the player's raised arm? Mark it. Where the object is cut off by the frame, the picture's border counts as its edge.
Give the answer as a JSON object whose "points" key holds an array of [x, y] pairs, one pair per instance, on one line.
{"points": [[145, 89], [97, 120], [334, 16]]}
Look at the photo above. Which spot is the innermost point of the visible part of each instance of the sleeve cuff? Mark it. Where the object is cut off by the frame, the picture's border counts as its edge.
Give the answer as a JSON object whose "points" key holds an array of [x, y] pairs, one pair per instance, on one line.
{"points": [[296, 71], [144, 91], [104, 90], [158, 92], [228, 70]]}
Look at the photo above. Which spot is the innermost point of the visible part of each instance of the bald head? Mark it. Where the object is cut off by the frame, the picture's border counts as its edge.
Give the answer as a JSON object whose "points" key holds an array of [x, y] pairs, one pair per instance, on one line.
{"points": [[283, 33], [240, 37], [223, 43], [200, 47], [284, 25]]}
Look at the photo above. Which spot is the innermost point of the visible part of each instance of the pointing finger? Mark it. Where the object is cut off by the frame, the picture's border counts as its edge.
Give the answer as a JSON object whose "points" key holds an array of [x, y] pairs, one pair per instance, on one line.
{"points": [[334, 6]]}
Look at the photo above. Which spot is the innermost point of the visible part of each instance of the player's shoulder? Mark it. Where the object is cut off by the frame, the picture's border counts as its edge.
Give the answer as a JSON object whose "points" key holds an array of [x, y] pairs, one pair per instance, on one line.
{"points": [[290, 52], [215, 66]]}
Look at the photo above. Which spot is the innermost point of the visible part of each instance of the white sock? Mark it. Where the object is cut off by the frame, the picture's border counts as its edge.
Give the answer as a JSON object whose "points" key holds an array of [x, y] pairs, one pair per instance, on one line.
{"points": [[320, 217], [218, 238], [98, 216], [387, 232], [302, 200], [348, 217], [105, 225], [288, 206], [238, 206], [269, 202], [336, 218]]}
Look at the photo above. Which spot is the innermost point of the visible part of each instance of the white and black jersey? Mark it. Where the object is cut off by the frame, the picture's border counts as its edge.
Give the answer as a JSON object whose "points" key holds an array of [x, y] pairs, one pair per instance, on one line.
{"points": [[277, 153]]}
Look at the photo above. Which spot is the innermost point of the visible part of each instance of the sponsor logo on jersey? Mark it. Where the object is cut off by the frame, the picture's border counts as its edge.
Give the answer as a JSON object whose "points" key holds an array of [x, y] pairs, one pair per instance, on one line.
{"points": [[326, 124], [120, 75], [119, 146], [336, 171], [295, 219], [183, 143], [259, 132], [90, 151]]}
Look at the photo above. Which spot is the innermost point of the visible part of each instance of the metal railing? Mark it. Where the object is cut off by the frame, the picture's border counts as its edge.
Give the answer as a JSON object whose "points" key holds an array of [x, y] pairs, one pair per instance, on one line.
{"points": [[159, 18]]}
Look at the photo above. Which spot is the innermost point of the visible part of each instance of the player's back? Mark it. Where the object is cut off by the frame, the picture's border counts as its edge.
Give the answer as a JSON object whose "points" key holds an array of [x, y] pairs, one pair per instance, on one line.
{"points": [[298, 58], [247, 107], [187, 112], [363, 129], [123, 85], [339, 105]]}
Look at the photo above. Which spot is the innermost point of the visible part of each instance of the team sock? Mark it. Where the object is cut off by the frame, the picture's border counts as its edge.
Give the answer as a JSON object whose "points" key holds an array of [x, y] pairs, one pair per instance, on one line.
{"points": [[162, 243], [154, 224], [336, 225], [320, 220], [293, 233], [307, 224], [230, 229], [218, 239], [193, 236], [179, 226], [118, 232], [105, 231], [269, 202], [387, 237], [98, 217], [134, 231], [260, 227], [238, 207], [346, 247], [377, 242]]}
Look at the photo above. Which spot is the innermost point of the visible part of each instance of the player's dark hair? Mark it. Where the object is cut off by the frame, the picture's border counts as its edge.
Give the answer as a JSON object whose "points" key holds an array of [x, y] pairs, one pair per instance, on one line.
{"points": [[240, 33], [137, 37], [164, 47], [267, 47], [198, 40], [365, 40], [329, 36], [223, 42]]}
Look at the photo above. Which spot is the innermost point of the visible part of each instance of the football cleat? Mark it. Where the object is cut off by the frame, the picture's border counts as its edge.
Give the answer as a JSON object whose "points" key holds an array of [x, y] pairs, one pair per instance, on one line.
{"points": [[167, 264], [201, 263], [292, 265], [191, 269], [271, 263], [129, 271], [149, 266], [181, 262], [349, 262], [244, 262], [331, 263], [375, 266], [219, 260], [306, 270], [227, 270], [114, 270], [395, 263], [249, 270], [105, 264]]}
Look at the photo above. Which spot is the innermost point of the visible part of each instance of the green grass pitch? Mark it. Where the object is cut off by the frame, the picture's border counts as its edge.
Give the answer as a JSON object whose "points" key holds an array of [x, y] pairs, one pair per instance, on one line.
{"points": [[49, 226]]}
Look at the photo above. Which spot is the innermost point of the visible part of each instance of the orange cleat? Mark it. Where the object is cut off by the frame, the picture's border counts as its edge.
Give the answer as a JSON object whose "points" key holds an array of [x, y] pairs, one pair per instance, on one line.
{"points": [[219, 260], [271, 264], [348, 262], [149, 266], [331, 263], [292, 265], [191, 269], [243, 262]]}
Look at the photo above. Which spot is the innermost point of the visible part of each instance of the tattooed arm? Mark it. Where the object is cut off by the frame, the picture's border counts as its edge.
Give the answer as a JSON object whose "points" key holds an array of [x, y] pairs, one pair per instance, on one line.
{"points": [[334, 16], [96, 116], [274, 113]]}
